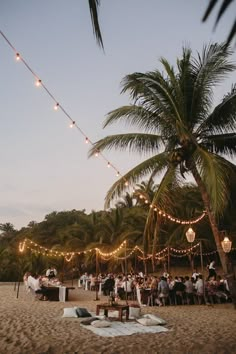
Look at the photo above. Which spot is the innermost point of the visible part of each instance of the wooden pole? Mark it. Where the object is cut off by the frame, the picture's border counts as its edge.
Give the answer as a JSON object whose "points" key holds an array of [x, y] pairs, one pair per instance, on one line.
{"points": [[18, 289], [96, 281], [168, 260], [126, 299], [203, 278]]}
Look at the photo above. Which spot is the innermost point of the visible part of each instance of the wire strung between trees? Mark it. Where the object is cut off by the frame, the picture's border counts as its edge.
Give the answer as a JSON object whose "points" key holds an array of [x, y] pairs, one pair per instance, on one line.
{"points": [[57, 106]]}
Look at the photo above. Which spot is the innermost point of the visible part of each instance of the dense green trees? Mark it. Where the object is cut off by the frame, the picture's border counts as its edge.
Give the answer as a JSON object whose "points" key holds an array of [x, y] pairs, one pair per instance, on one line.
{"points": [[75, 231]]}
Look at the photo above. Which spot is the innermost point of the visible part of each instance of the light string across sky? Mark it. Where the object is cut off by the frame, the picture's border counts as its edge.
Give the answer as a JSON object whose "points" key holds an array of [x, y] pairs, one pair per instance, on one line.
{"points": [[73, 124], [167, 251]]}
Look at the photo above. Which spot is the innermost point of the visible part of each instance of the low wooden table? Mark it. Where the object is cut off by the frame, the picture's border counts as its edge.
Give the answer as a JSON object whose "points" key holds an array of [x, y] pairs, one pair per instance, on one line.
{"points": [[119, 308]]}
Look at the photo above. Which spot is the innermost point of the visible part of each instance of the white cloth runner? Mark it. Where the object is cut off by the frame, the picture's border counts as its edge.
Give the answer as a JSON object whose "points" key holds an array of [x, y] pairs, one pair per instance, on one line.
{"points": [[62, 293], [124, 329], [100, 289]]}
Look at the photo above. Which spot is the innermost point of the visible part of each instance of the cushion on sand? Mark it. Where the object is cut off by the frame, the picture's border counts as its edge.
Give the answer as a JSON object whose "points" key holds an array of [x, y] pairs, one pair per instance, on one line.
{"points": [[88, 321], [147, 322], [155, 318], [69, 312], [82, 312], [134, 312], [101, 324]]}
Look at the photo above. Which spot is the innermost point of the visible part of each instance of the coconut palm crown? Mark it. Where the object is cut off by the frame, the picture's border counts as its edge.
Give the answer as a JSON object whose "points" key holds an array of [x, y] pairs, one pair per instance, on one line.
{"points": [[181, 131]]}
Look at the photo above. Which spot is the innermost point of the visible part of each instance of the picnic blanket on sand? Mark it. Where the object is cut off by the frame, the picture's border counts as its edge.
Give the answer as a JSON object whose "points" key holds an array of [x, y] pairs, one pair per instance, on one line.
{"points": [[124, 329]]}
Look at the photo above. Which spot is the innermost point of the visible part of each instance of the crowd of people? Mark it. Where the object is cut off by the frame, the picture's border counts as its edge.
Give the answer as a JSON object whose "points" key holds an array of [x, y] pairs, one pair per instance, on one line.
{"points": [[164, 289]]}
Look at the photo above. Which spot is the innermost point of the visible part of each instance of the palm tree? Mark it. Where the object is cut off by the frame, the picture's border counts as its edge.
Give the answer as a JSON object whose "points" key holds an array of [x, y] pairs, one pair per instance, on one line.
{"points": [[182, 133]]}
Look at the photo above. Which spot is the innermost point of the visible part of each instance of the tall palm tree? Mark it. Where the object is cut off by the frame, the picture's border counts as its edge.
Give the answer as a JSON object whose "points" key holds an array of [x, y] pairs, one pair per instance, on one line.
{"points": [[180, 130]]}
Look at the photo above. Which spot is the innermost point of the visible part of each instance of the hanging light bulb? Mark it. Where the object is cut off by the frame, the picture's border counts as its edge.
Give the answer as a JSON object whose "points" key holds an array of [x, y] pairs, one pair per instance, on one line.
{"points": [[108, 165], [190, 234], [96, 153], [17, 56], [86, 140], [38, 82], [72, 124], [126, 183], [117, 174], [226, 244], [56, 106]]}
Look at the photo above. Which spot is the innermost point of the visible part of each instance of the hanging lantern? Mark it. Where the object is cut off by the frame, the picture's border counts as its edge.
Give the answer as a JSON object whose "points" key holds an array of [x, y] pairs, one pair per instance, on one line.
{"points": [[190, 234], [226, 244]]}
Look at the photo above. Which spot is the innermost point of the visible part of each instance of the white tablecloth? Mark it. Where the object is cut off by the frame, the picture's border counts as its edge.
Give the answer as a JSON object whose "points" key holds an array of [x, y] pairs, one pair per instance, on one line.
{"points": [[62, 293]]}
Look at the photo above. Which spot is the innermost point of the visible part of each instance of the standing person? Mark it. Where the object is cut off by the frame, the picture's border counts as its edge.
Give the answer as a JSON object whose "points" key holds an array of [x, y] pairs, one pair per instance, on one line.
{"points": [[212, 270], [51, 273]]}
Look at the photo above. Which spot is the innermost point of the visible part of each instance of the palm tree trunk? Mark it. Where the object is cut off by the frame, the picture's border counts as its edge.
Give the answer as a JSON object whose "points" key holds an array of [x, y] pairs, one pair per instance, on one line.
{"points": [[154, 244], [211, 216]]}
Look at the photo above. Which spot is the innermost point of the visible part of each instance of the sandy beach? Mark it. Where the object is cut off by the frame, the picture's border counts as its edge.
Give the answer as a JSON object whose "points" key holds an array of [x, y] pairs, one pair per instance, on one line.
{"points": [[30, 326]]}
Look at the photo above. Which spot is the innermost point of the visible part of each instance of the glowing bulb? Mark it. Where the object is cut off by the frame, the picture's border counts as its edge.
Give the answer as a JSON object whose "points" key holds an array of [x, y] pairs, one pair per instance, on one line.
{"points": [[146, 201], [38, 83], [17, 56], [86, 140], [56, 106], [108, 165], [126, 183], [117, 173], [72, 124]]}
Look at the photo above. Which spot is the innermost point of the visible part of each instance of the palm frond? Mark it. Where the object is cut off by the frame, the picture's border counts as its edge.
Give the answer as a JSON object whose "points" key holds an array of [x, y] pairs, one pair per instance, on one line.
{"points": [[208, 70], [225, 4], [134, 115], [223, 117], [156, 163], [213, 171], [93, 7], [221, 144], [142, 143]]}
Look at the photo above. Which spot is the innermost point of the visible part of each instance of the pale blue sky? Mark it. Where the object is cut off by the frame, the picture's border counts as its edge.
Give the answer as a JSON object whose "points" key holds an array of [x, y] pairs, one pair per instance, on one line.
{"points": [[44, 164]]}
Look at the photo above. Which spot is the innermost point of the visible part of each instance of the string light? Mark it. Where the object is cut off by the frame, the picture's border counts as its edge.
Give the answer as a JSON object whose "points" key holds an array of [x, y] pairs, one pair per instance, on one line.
{"points": [[72, 124], [56, 106], [108, 165], [87, 140], [38, 82]]}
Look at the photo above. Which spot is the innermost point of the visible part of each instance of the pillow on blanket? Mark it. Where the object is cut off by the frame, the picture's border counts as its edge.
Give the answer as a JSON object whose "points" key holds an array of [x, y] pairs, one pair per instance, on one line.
{"points": [[101, 324], [70, 312], [134, 312], [88, 321], [147, 322], [159, 320], [82, 312]]}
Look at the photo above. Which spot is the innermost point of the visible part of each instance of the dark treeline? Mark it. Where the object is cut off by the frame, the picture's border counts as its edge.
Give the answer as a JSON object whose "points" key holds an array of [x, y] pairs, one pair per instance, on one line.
{"points": [[75, 231]]}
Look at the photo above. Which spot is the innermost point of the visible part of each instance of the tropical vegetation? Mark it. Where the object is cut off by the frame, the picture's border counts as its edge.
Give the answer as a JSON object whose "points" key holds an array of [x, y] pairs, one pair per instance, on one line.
{"points": [[180, 131]]}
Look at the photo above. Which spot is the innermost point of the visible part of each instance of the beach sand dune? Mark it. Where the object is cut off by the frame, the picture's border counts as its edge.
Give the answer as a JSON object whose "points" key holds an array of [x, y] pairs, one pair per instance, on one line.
{"points": [[29, 326]]}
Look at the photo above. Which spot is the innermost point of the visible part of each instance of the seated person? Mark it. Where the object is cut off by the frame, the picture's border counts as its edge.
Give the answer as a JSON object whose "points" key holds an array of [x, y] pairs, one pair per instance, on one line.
{"points": [[35, 284]]}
